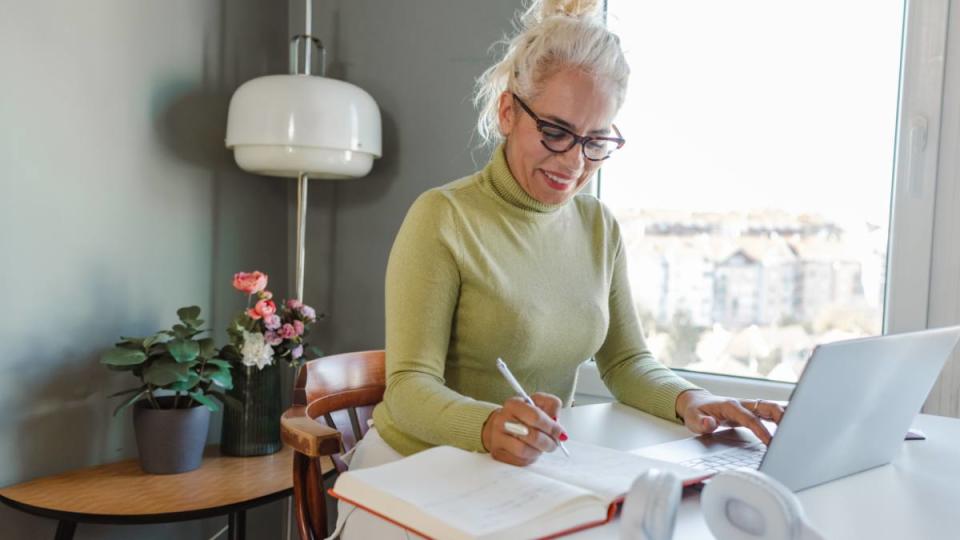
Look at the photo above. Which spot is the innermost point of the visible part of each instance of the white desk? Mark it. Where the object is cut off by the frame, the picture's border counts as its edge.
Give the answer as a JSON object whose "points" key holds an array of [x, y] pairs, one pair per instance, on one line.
{"points": [[915, 497]]}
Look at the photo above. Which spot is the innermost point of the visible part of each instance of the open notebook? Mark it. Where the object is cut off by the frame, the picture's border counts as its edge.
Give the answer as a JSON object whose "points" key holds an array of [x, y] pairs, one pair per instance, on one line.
{"points": [[450, 493]]}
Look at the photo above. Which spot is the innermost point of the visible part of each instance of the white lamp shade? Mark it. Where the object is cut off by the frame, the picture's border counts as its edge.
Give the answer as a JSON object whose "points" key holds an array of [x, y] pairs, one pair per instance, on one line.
{"points": [[284, 125]]}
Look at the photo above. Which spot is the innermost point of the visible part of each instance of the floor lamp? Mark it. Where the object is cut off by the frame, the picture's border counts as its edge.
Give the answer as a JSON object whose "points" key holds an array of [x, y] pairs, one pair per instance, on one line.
{"points": [[303, 126]]}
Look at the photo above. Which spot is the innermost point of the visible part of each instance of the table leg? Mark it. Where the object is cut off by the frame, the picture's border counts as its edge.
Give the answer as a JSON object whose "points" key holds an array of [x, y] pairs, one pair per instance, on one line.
{"points": [[65, 530], [242, 525], [237, 525]]}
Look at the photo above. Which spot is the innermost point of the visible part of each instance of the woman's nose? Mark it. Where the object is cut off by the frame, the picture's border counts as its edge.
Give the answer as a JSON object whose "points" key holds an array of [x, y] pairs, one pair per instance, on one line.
{"points": [[573, 158]]}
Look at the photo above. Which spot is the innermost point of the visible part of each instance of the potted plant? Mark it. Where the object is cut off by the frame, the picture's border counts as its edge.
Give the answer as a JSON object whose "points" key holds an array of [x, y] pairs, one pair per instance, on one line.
{"points": [[178, 374], [260, 336]]}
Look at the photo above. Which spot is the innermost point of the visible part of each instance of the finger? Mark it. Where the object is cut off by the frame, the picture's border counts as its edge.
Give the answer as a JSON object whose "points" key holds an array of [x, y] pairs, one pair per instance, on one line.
{"points": [[548, 403], [523, 448], [534, 417], [501, 454], [698, 422], [769, 410], [738, 413], [531, 436]]}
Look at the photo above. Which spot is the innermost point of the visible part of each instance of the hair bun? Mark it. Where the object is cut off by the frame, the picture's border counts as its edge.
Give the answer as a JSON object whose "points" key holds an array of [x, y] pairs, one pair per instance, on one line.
{"points": [[578, 9]]}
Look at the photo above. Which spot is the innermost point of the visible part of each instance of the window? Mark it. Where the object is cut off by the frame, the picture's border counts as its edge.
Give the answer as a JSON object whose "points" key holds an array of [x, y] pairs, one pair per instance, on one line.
{"points": [[755, 189]]}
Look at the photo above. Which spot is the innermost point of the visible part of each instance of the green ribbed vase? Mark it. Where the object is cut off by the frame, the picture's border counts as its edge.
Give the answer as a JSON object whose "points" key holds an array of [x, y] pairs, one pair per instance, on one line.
{"points": [[251, 420]]}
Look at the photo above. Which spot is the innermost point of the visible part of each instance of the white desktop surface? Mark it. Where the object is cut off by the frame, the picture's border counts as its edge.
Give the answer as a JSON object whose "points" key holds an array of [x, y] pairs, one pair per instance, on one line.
{"points": [[915, 497]]}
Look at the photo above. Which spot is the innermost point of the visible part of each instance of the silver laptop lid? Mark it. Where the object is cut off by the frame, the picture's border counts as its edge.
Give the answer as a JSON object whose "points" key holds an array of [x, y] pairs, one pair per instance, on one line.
{"points": [[853, 403]]}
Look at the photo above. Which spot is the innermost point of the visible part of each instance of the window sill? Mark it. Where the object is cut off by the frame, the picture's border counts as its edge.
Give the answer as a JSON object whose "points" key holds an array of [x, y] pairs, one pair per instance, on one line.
{"points": [[590, 388]]}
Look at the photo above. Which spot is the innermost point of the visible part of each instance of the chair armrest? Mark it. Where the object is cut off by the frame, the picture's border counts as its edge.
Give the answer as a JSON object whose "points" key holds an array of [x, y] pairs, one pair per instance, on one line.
{"points": [[307, 436]]}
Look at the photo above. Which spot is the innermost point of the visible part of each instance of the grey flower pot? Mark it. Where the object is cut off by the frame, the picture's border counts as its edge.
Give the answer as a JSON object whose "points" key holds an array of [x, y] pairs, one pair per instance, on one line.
{"points": [[170, 441]]}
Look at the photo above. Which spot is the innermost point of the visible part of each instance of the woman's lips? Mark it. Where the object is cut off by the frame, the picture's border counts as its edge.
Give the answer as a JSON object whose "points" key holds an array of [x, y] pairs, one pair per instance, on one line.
{"points": [[556, 181]]}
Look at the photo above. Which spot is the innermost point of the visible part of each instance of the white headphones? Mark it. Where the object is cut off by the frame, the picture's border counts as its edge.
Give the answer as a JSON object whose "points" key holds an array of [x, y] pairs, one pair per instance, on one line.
{"points": [[737, 505], [745, 504], [650, 508]]}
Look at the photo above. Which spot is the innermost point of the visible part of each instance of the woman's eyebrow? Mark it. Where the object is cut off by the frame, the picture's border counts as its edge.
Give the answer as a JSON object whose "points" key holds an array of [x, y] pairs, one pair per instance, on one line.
{"points": [[563, 123]]}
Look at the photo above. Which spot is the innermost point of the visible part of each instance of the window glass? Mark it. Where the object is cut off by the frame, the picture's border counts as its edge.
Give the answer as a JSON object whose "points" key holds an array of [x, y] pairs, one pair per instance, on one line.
{"points": [[754, 189]]}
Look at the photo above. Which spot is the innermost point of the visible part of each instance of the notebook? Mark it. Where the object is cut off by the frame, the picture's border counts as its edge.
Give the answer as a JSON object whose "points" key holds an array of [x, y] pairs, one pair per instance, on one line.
{"points": [[449, 493]]}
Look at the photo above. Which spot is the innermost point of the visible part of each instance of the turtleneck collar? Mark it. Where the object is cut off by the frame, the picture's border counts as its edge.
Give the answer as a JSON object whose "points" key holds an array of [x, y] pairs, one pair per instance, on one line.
{"points": [[497, 172]]}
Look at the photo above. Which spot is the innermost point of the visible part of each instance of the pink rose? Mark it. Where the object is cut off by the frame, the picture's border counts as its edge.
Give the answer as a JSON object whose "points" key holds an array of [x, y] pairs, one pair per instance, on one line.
{"points": [[293, 303], [308, 313], [250, 282], [298, 327], [296, 352], [253, 314], [265, 308], [272, 338], [286, 331], [272, 322]]}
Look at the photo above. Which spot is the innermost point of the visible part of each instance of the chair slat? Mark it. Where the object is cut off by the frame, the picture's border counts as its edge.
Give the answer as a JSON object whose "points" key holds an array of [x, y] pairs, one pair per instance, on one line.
{"points": [[355, 422]]}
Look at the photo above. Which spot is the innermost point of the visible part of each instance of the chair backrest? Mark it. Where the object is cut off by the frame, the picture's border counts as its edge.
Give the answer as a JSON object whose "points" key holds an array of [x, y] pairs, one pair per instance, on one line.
{"points": [[340, 391]]}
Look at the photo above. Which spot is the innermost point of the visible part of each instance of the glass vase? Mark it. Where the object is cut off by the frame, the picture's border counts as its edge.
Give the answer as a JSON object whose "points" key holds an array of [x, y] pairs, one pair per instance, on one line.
{"points": [[251, 420]]}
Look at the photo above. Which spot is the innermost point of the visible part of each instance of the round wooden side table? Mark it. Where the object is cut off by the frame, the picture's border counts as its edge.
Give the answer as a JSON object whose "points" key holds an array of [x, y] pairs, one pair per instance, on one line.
{"points": [[121, 493]]}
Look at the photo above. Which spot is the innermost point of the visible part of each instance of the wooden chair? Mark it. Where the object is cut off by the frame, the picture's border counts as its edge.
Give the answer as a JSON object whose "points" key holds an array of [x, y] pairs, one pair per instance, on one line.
{"points": [[333, 397]]}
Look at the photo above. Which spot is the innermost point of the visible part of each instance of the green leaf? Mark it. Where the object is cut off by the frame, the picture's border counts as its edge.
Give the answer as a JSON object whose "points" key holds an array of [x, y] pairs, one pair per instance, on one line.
{"points": [[124, 368], [165, 371], [189, 313], [127, 391], [135, 341], [204, 400], [207, 348], [183, 350], [150, 341], [317, 353], [220, 376], [181, 331], [192, 380], [218, 362], [130, 401], [123, 357]]}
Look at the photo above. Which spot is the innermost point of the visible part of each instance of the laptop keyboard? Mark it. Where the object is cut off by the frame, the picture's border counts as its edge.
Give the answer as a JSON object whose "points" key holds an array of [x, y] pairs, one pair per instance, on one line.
{"points": [[742, 456]]}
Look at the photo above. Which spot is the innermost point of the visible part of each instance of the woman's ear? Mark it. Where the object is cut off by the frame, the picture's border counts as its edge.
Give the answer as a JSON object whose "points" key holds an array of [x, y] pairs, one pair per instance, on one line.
{"points": [[506, 113]]}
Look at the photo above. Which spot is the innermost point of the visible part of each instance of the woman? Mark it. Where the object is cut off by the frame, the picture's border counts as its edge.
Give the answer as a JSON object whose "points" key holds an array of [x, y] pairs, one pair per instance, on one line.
{"points": [[510, 262]]}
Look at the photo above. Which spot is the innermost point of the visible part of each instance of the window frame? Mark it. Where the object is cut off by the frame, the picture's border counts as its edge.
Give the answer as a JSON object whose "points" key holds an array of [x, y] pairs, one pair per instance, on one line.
{"points": [[925, 208]]}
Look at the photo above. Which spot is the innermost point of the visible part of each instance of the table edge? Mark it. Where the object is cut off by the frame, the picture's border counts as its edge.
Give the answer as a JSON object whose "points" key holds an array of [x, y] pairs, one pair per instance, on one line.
{"points": [[166, 517]]}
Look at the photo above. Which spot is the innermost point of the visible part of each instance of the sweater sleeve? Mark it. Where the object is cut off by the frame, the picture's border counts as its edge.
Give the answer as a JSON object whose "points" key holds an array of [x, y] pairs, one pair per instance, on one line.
{"points": [[422, 289], [626, 365]]}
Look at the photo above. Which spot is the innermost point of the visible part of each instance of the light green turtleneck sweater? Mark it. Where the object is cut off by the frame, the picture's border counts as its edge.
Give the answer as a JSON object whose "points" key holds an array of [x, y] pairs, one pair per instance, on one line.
{"points": [[481, 270]]}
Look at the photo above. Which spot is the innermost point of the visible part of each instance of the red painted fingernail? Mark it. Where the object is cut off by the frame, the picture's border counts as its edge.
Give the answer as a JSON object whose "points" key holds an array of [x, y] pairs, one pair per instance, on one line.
{"points": [[554, 418], [563, 436]]}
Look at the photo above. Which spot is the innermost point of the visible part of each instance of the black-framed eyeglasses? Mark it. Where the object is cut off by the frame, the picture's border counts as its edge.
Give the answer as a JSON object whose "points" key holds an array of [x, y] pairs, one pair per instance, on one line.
{"points": [[559, 139]]}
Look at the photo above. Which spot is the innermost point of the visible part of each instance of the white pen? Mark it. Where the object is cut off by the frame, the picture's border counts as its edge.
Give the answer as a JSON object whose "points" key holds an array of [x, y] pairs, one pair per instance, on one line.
{"points": [[505, 371]]}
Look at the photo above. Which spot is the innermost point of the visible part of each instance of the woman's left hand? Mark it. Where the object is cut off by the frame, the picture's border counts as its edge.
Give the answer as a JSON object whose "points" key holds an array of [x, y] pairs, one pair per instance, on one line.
{"points": [[703, 412]]}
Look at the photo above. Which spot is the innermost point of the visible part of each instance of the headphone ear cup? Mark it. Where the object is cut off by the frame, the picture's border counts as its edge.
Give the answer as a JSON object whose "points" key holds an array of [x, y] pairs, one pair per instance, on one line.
{"points": [[649, 510], [747, 504]]}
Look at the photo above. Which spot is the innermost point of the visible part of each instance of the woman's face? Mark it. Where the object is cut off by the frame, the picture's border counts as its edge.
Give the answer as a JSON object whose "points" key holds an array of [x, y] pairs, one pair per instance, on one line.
{"points": [[569, 98]]}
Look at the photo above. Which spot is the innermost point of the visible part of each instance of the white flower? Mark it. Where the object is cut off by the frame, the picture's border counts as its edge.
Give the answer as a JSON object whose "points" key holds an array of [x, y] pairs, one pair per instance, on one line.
{"points": [[256, 351]]}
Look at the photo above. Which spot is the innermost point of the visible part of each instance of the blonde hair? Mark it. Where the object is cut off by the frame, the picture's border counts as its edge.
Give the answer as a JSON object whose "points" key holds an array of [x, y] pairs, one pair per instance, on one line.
{"points": [[551, 35]]}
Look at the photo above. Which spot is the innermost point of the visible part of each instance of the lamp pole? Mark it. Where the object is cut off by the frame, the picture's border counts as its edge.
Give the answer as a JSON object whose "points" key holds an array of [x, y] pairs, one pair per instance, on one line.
{"points": [[302, 177]]}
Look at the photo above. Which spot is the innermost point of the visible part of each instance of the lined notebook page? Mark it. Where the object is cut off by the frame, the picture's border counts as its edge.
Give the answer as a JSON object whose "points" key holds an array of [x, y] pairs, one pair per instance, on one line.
{"points": [[601, 470], [467, 490]]}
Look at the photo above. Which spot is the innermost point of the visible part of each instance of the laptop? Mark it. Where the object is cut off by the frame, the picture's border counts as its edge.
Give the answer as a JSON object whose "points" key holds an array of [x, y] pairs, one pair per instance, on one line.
{"points": [[848, 413]]}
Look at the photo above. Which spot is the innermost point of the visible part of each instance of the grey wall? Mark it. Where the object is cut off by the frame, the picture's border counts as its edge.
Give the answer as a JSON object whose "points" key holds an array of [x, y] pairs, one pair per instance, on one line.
{"points": [[118, 204], [419, 61]]}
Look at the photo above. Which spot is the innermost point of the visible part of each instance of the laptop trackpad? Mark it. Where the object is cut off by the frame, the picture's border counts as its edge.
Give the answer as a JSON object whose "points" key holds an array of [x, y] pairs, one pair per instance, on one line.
{"points": [[698, 447]]}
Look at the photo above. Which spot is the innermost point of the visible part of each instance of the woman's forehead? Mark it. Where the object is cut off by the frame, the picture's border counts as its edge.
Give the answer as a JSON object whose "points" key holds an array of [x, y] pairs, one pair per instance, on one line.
{"points": [[576, 100]]}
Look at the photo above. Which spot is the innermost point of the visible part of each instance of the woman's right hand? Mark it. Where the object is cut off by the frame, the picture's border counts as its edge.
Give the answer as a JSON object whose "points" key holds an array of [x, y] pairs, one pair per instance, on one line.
{"points": [[543, 429]]}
